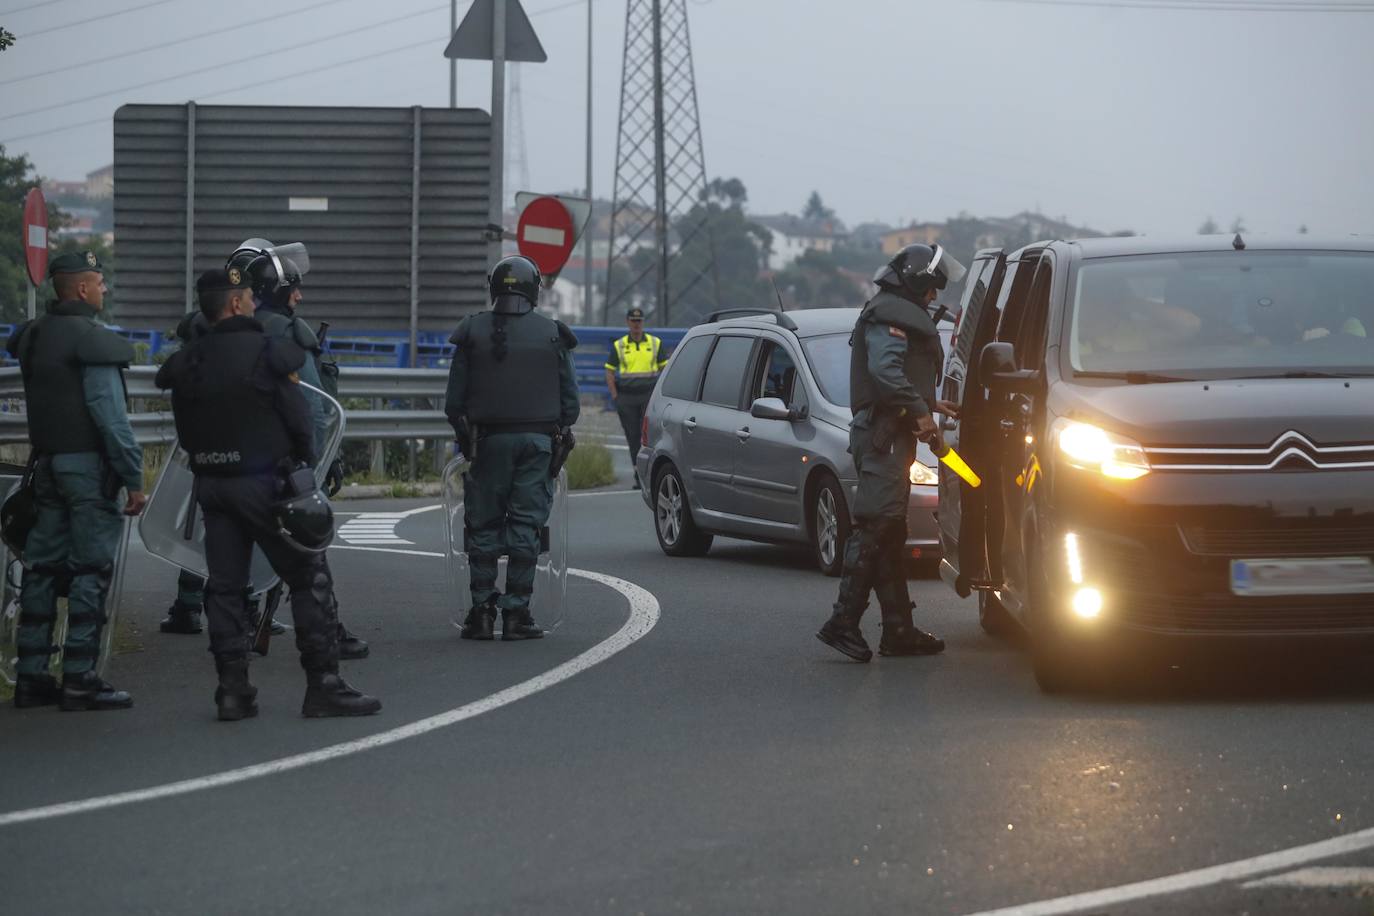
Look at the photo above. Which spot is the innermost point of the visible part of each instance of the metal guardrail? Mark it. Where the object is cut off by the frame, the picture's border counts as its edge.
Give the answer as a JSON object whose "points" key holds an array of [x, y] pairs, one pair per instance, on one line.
{"points": [[156, 426]]}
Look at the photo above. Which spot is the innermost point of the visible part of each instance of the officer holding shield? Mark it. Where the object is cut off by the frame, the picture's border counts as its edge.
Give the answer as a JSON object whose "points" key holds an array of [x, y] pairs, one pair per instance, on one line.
{"points": [[84, 452], [245, 425], [512, 399], [894, 370]]}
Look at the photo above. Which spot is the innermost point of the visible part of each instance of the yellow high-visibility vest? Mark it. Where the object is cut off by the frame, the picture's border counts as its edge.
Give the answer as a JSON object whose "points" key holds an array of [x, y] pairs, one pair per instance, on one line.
{"points": [[642, 359]]}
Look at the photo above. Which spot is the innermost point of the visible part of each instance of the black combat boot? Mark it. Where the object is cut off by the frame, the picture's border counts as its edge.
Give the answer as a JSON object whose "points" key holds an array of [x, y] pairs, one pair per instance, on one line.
{"points": [[902, 637], [36, 690], [235, 698], [519, 624], [182, 618], [328, 695], [841, 632], [351, 646], [88, 691], [480, 622]]}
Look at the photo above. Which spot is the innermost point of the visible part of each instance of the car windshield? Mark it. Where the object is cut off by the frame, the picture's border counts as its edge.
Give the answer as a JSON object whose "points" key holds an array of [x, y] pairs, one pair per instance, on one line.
{"points": [[1224, 315], [829, 359]]}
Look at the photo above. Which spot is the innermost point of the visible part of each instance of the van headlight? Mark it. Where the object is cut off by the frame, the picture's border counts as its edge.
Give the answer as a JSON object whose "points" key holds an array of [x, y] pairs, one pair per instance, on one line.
{"points": [[923, 476], [1093, 448]]}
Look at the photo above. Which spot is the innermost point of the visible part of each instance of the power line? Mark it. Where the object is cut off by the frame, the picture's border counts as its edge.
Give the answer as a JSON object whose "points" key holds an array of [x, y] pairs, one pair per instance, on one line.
{"points": [[220, 66], [31, 6], [252, 23], [89, 19], [1240, 6], [276, 79]]}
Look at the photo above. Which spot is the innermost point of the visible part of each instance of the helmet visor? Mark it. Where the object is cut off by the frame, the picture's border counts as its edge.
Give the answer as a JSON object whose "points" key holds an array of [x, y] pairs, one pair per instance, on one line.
{"points": [[297, 256], [945, 269]]}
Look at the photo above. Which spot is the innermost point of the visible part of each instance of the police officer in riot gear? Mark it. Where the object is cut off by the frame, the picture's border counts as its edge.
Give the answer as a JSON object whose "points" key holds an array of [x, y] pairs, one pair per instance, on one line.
{"points": [[512, 391], [246, 428], [83, 452], [275, 273], [894, 370]]}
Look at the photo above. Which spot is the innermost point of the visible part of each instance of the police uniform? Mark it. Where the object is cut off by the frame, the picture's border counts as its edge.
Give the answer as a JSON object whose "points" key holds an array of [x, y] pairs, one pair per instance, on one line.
{"points": [[894, 371], [243, 421], [636, 364], [511, 389], [84, 452]]}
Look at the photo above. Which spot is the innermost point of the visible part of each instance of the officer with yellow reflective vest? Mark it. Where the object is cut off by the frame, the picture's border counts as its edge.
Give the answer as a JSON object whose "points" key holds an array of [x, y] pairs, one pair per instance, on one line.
{"points": [[632, 368]]}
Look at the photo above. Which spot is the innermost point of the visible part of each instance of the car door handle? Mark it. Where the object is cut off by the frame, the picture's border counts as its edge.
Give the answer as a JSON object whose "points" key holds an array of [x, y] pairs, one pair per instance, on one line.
{"points": [[689, 424], [743, 434], [1008, 426]]}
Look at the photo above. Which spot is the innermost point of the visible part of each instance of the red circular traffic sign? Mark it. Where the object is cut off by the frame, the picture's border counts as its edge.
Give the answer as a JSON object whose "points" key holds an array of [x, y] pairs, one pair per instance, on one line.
{"points": [[545, 234], [36, 236]]}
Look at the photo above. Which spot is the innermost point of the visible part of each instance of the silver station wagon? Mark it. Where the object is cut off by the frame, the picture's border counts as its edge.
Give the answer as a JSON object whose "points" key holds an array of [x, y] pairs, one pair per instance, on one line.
{"points": [[747, 436]]}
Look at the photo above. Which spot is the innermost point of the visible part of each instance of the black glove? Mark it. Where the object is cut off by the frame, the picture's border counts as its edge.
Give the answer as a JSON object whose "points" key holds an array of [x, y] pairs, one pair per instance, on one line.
{"points": [[334, 478], [462, 437]]}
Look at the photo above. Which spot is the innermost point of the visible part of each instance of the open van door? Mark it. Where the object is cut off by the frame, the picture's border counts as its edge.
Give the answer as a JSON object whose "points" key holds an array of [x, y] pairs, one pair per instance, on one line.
{"points": [[962, 507]]}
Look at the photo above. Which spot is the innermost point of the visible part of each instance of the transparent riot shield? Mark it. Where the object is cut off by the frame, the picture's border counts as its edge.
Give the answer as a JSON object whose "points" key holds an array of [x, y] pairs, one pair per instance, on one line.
{"points": [[9, 610], [551, 570], [163, 523]]}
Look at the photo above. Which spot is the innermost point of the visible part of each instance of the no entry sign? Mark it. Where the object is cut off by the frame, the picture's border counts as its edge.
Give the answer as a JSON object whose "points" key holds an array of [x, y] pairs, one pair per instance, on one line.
{"points": [[36, 236], [546, 235]]}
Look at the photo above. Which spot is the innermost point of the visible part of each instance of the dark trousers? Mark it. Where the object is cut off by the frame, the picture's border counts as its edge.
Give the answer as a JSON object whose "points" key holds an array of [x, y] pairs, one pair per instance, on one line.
{"points": [[630, 406], [238, 514], [875, 554], [507, 497], [71, 552]]}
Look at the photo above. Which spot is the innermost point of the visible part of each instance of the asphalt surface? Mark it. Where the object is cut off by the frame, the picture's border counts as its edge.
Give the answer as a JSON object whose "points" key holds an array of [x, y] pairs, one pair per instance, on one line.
{"points": [[726, 762]]}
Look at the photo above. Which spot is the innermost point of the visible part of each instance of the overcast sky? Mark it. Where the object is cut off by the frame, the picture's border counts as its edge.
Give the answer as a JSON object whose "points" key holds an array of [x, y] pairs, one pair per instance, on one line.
{"points": [[895, 110]]}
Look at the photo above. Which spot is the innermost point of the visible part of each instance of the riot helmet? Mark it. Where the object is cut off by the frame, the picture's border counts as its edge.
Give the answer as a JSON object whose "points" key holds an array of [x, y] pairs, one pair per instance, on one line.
{"points": [[515, 276], [277, 270], [306, 522], [246, 253], [917, 269]]}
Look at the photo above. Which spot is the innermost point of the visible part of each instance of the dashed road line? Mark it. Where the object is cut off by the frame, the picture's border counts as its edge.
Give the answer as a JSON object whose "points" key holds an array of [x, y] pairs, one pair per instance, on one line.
{"points": [[644, 613]]}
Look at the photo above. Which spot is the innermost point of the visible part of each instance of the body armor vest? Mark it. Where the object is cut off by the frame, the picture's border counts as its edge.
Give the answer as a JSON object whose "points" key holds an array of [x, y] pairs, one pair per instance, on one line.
{"points": [[523, 387], [52, 351], [924, 354], [224, 391]]}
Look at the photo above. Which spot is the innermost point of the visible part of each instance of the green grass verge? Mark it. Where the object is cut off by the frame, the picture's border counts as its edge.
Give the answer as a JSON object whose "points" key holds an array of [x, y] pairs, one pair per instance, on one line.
{"points": [[590, 466]]}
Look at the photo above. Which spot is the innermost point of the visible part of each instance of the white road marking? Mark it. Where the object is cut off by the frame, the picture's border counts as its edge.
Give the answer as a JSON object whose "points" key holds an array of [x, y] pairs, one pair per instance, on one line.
{"points": [[1318, 879], [1192, 880], [644, 611]]}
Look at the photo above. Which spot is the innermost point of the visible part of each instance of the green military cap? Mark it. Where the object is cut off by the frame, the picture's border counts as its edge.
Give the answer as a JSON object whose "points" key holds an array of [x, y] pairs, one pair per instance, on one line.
{"points": [[226, 278], [75, 262]]}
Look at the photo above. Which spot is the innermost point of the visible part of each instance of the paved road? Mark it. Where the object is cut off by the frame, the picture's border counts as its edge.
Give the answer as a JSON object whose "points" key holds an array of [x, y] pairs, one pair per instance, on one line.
{"points": [[723, 762]]}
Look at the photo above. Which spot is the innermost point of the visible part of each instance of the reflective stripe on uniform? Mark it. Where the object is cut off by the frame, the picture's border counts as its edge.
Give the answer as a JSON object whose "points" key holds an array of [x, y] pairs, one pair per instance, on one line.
{"points": [[639, 361]]}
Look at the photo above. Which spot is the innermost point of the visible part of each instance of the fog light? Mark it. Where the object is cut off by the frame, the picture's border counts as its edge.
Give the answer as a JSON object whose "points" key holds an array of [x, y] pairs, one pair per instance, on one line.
{"points": [[1087, 603]]}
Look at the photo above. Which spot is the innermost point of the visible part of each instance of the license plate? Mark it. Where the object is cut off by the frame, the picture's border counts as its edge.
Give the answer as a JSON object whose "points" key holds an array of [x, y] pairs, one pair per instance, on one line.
{"points": [[1333, 576]]}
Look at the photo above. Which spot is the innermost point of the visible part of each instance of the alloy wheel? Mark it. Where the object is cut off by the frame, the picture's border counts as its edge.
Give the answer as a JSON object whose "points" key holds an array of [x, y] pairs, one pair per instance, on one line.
{"points": [[669, 510]]}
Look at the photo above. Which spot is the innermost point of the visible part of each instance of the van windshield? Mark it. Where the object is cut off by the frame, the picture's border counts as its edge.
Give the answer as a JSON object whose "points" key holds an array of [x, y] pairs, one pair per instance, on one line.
{"points": [[1225, 315]]}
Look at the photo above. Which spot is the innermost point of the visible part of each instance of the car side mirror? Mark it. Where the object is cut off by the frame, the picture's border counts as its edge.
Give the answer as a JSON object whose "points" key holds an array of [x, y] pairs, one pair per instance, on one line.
{"points": [[997, 369], [772, 409]]}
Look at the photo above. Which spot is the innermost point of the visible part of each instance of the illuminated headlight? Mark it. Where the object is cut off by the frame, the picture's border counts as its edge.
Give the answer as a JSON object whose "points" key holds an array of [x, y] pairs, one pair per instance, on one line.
{"points": [[1087, 603], [923, 476], [1086, 446]]}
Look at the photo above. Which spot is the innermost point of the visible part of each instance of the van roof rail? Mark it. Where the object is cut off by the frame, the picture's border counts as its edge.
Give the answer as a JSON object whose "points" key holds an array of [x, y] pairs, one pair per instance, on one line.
{"points": [[783, 319]]}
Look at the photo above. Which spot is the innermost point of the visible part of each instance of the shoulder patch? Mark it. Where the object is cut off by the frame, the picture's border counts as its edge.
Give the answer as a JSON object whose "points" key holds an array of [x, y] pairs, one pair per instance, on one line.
{"points": [[896, 332], [566, 334]]}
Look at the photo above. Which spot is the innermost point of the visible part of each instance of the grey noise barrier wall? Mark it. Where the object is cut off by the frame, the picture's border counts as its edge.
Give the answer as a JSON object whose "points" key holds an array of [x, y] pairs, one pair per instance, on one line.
{"points": [[391, 202]]}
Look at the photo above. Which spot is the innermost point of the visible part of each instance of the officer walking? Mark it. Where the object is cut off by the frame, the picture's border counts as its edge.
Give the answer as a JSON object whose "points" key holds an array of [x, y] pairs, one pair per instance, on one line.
{"points": [[632, 368], [246, 428], [84, 452], [512, 392], [894, 369]]}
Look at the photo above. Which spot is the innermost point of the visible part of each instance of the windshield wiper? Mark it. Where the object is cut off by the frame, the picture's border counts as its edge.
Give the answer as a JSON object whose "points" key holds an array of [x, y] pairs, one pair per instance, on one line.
{"points": [[1136, 378]]}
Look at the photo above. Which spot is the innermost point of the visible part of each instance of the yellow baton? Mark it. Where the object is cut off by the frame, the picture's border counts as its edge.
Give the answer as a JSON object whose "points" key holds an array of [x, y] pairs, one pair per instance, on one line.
{"points": [[950, 458]]}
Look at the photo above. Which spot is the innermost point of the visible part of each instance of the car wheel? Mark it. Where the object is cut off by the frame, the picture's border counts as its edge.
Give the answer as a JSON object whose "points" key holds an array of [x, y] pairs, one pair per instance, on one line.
{"points": [[678, 534], [829, 525], [992, 616]]}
